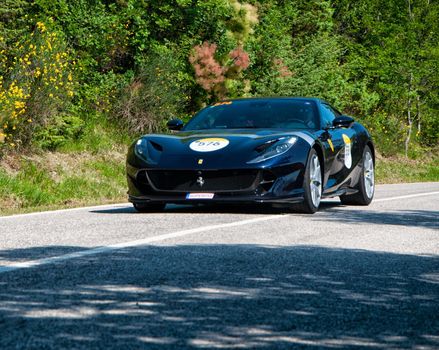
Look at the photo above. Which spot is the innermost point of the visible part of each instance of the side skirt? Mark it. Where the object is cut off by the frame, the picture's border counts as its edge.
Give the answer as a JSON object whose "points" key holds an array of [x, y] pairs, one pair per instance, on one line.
{"points": [[339, 192]]}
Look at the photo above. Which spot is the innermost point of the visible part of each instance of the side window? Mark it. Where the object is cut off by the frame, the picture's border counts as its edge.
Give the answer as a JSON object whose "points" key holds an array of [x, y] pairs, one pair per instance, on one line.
{"points": [[328, 115]]}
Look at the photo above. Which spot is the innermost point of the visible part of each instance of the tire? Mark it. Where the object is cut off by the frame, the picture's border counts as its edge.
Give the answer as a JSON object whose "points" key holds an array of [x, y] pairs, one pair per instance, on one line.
{"points": [[312, 185], [149, 207], [366, 183]]}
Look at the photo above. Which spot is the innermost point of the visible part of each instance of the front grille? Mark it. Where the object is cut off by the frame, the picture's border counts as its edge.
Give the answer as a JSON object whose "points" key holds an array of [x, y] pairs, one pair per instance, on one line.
{"points": [[203, 181]]}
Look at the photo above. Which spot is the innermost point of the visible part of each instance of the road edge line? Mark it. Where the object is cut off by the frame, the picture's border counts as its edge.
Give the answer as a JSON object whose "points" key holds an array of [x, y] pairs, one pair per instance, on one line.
{"points": [[404, 197], [56, 211]]}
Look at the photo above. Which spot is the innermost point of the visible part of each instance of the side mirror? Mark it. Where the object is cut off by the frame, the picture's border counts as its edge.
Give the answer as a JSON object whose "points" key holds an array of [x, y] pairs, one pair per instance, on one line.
{"points": [[343, 121], [175, 124]]}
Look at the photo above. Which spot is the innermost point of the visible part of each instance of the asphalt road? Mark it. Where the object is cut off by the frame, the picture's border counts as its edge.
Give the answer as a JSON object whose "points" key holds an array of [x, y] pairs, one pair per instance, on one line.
{"points": [[219, 278]]}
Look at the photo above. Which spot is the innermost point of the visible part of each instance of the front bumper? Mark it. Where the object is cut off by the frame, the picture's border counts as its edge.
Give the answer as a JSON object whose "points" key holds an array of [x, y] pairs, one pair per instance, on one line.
{"points": [[281, 185], [181, 199]]}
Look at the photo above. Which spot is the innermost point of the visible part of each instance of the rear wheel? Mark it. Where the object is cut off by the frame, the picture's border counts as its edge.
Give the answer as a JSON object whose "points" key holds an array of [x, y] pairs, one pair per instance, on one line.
{"points": [[366, 183], [312, 185], [149, 207]]}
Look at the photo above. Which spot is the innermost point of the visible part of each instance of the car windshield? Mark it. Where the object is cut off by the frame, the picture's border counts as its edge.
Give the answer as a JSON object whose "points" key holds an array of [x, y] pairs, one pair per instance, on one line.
{"points": [[257, 114]]}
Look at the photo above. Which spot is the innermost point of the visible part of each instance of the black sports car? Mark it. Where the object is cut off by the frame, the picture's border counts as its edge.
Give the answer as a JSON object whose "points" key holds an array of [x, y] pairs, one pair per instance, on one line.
{"points": [[285, 151]]}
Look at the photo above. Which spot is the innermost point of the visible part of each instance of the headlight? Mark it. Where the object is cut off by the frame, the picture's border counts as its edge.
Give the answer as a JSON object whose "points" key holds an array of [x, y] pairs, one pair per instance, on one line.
{"points": [[141, 148], [147, 150], [280, 147]]}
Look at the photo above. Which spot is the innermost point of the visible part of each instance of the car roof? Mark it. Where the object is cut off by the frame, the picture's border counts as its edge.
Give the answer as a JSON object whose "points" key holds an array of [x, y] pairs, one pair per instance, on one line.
{"points": [[315, 99]]}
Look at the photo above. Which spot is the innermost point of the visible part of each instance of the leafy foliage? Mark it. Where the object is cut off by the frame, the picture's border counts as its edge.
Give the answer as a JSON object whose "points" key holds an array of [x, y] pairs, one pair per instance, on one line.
{"points": [[393, 51], [59, 132], [35, 85], [153, 96], [137, 63]]}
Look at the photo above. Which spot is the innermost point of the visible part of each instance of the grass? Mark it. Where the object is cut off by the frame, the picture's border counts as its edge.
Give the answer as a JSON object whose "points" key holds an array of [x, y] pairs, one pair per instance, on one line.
{"points": [[58, 180], [99, 135], [88, 171], [401, 169]]}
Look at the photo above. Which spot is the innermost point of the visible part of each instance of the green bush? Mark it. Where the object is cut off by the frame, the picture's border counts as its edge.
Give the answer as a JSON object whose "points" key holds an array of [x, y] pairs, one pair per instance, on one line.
{"points": [[36, 84], [58, 132], [154, 95], [375, 60]]}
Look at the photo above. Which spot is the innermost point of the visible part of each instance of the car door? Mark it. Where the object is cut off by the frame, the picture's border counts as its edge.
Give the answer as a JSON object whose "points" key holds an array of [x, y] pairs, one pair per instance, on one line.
{"points": [[339, 143]]}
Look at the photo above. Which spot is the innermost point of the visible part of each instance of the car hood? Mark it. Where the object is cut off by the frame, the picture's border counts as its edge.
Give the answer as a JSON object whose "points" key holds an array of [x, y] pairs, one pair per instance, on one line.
{"points": [[231, 148]]}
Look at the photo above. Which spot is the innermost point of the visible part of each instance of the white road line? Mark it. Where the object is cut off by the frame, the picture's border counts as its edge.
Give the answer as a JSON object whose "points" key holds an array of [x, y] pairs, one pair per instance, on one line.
{"points": [[136, 243], [37, 213], [404, 197]]}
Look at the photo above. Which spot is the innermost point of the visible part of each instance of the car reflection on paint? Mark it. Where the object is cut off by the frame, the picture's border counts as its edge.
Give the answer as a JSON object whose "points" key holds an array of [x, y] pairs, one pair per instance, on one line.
{"points": [[289, 152]]}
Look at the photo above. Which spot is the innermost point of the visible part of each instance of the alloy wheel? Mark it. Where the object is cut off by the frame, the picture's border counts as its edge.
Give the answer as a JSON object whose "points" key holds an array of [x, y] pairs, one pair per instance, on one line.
{"points": [[369, 175], [315, 182]]}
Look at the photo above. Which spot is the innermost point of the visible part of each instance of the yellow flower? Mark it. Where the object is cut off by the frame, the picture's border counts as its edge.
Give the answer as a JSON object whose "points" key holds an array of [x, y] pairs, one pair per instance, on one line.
{"points": [[19, 104], [50, 95], [41, 26]]}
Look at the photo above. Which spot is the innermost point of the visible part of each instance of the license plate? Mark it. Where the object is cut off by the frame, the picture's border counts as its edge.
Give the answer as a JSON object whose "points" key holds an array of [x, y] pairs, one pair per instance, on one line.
{"points": [[200, 195]]}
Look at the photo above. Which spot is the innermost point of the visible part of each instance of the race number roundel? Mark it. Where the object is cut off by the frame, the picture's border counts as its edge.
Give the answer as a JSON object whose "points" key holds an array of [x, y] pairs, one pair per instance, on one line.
{"points": [[208, 145]]}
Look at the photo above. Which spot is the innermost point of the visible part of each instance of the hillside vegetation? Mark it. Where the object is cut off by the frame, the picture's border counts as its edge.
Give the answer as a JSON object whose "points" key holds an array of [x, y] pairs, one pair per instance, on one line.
{"points": [[80, 79]]}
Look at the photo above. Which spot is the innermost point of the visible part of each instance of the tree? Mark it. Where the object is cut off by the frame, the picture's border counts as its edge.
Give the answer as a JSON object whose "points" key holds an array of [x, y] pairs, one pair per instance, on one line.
{"points": [[392, 47]]}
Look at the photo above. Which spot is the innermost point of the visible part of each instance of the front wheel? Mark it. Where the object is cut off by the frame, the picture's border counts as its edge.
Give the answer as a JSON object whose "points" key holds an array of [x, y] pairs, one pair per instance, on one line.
{"points": [[366, 183], [149, 207], [312, 185]]}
